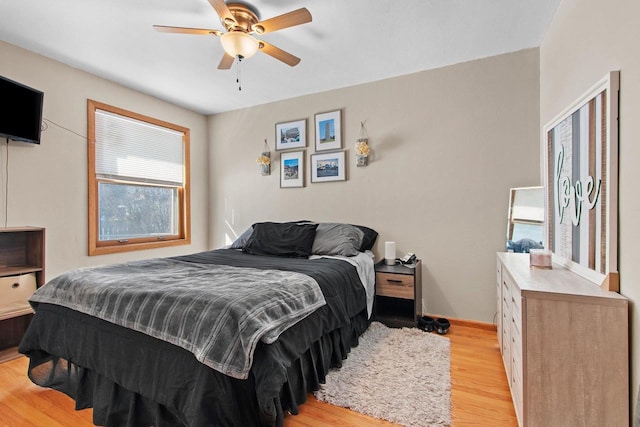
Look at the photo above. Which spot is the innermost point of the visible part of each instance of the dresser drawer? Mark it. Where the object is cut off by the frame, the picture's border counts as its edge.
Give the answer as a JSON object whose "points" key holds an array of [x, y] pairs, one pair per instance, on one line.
{"points": [[516, 299], [395, 285], [516, 388], [506, 292], [506, 328]]}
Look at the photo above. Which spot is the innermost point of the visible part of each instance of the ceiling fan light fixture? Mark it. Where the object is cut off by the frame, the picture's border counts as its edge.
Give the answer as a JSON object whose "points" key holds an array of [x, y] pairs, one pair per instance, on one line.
{"points": [[237, 43]]}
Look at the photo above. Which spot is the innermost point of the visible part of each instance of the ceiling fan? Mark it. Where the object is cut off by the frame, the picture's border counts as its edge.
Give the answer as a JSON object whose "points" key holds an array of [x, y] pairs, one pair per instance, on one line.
{"points": [[241, 22]]}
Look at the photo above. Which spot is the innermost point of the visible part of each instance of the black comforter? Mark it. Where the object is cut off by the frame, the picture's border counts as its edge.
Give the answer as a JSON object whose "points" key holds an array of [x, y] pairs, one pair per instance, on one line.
{"points": [[133, 379]]}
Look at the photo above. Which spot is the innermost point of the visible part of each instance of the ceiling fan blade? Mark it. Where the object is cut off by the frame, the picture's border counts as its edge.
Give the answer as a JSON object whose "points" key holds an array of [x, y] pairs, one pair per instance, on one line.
{"points": [[185, 30], [291, 19], [278, 53], [222, 10], [226, 62]]}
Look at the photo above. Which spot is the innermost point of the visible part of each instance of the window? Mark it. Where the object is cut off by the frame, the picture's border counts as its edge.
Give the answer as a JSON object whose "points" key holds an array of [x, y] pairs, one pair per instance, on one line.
{"points": [[138, 181]]}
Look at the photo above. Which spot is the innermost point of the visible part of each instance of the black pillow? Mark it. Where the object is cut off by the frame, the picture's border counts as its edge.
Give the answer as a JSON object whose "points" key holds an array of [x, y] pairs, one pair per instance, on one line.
{"points": [[369, 239], [244, 237], [281, 239]]}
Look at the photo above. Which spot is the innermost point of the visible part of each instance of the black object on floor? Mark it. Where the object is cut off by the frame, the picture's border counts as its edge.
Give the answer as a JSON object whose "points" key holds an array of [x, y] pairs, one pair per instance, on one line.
{"points": [[442, 325], [426, 323]]}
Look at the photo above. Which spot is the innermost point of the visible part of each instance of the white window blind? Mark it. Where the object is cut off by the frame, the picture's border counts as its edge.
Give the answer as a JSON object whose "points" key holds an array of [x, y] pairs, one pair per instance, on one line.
{"points": [[137, 150]]}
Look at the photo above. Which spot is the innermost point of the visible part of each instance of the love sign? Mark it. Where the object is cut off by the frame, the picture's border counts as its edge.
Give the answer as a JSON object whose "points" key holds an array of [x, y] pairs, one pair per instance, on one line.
{"points": [[581, 182]]}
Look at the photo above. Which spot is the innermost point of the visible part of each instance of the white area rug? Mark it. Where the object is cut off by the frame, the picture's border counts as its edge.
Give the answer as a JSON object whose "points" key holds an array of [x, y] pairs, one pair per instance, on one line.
{"points": [[400, 375]]}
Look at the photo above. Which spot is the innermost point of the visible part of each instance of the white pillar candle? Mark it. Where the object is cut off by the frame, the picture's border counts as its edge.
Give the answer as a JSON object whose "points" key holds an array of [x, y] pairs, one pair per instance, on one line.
{"points": [[390, 253]]}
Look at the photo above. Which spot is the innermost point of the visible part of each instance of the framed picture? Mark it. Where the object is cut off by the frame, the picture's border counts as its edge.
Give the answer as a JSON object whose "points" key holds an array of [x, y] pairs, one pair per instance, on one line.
{"points": [[328, 167], [581, 181], [291, 135], [292, 169], [328, 131]]}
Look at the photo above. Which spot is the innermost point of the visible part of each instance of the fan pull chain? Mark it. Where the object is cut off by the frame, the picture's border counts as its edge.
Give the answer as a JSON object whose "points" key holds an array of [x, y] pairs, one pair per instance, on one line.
{"points": [[238, 74]]}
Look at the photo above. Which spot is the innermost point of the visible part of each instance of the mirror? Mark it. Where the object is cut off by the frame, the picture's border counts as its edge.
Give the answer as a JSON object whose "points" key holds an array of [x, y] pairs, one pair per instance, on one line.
{"points": [[525, 224]]}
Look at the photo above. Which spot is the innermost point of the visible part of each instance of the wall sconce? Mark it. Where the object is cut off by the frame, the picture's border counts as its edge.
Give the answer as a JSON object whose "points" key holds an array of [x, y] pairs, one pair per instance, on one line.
{"points": [[264, 161], [362, 147]]}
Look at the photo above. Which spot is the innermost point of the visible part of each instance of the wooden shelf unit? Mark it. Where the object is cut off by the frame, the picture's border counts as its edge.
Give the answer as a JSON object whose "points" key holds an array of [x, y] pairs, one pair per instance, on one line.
{"points": [[21, 252]]}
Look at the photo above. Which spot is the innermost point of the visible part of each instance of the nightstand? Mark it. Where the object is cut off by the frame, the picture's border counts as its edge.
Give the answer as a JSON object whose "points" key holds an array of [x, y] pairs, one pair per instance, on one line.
{"points": [[398, 299]]}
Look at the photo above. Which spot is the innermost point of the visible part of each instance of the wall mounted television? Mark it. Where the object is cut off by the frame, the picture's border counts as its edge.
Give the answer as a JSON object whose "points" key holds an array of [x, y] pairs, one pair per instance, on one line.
{"points": [[20, 111]]}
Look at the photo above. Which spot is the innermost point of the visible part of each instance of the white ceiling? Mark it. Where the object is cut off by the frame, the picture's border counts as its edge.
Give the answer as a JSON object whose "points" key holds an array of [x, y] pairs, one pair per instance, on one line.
{"points": [[348, 42]]}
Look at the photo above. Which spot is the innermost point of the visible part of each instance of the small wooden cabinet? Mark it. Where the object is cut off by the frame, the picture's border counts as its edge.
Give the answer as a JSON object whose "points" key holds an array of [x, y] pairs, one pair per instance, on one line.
{"points": [[21, 264], [398, 299], [564, 343]]}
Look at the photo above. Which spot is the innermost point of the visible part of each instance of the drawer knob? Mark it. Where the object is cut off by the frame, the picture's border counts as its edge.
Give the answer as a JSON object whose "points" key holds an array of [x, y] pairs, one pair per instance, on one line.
{"points": [[15, 285]]}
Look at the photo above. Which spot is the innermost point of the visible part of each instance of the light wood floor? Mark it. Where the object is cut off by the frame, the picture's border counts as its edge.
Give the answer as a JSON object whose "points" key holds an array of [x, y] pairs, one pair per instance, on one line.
{"points": [[479, 393]]}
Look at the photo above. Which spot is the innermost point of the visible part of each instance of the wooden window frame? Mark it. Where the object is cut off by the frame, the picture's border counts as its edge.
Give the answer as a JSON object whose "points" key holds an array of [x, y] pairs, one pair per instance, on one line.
{"points": [[183, 237]]}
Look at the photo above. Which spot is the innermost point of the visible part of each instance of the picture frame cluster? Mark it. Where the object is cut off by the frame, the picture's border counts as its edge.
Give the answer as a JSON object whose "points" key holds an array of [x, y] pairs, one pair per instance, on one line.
{"points": [[327, 163]]}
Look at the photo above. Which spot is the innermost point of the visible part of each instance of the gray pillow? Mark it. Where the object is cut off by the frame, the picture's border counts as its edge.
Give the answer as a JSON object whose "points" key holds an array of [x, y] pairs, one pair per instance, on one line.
{"points": [[242, 239], [337, 239]]}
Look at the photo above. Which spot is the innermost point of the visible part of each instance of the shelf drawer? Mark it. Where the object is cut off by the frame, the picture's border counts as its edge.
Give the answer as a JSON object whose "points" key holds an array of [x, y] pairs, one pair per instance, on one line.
{"points": [[395, 285], [14, 294]]}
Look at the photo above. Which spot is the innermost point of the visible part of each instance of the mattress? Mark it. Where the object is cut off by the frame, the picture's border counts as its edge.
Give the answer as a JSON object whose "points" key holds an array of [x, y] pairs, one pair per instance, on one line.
{"points": [[133, 379]]}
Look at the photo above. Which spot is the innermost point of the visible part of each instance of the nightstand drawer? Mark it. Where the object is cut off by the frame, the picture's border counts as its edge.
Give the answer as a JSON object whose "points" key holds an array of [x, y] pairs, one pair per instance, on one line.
{"points": [[395, 285]]}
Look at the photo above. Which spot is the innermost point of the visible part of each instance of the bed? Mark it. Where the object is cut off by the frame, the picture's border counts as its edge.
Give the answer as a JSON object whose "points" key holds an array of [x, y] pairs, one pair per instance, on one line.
{"points": [[119, 339]]}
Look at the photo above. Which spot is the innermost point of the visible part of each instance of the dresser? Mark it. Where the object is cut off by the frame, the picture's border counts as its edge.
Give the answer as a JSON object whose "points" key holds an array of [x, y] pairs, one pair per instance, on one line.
{"points": [[564, 343]]}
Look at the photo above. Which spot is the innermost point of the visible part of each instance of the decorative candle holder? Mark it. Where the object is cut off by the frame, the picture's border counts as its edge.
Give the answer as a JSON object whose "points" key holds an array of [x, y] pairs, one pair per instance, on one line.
{"points": [[362, 147], [362, 152], [264, 161]]}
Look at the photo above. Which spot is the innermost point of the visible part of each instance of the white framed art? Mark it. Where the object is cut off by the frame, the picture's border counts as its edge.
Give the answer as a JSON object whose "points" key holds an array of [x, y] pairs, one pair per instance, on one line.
{"points": [[327, 167], [328, 131], [292, 169], [581, 182], [291, 135]]}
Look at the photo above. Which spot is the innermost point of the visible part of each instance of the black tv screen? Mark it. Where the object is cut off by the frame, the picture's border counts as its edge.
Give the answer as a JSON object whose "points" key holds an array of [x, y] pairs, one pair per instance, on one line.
{"points": [[20, 111]]}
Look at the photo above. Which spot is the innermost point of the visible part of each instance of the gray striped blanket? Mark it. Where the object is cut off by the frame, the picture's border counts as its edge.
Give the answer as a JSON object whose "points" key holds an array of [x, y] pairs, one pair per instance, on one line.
{"points": [[217, 312]]}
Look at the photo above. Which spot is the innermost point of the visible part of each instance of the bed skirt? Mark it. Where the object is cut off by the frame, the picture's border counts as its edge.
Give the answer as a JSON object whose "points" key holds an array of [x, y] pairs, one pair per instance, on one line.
{"points": [[131, 379]]}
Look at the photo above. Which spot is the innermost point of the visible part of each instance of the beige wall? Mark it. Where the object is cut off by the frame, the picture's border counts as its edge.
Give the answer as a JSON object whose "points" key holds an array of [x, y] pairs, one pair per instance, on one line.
{"points": [[587, 39], [448, 144], [48, 183]]}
